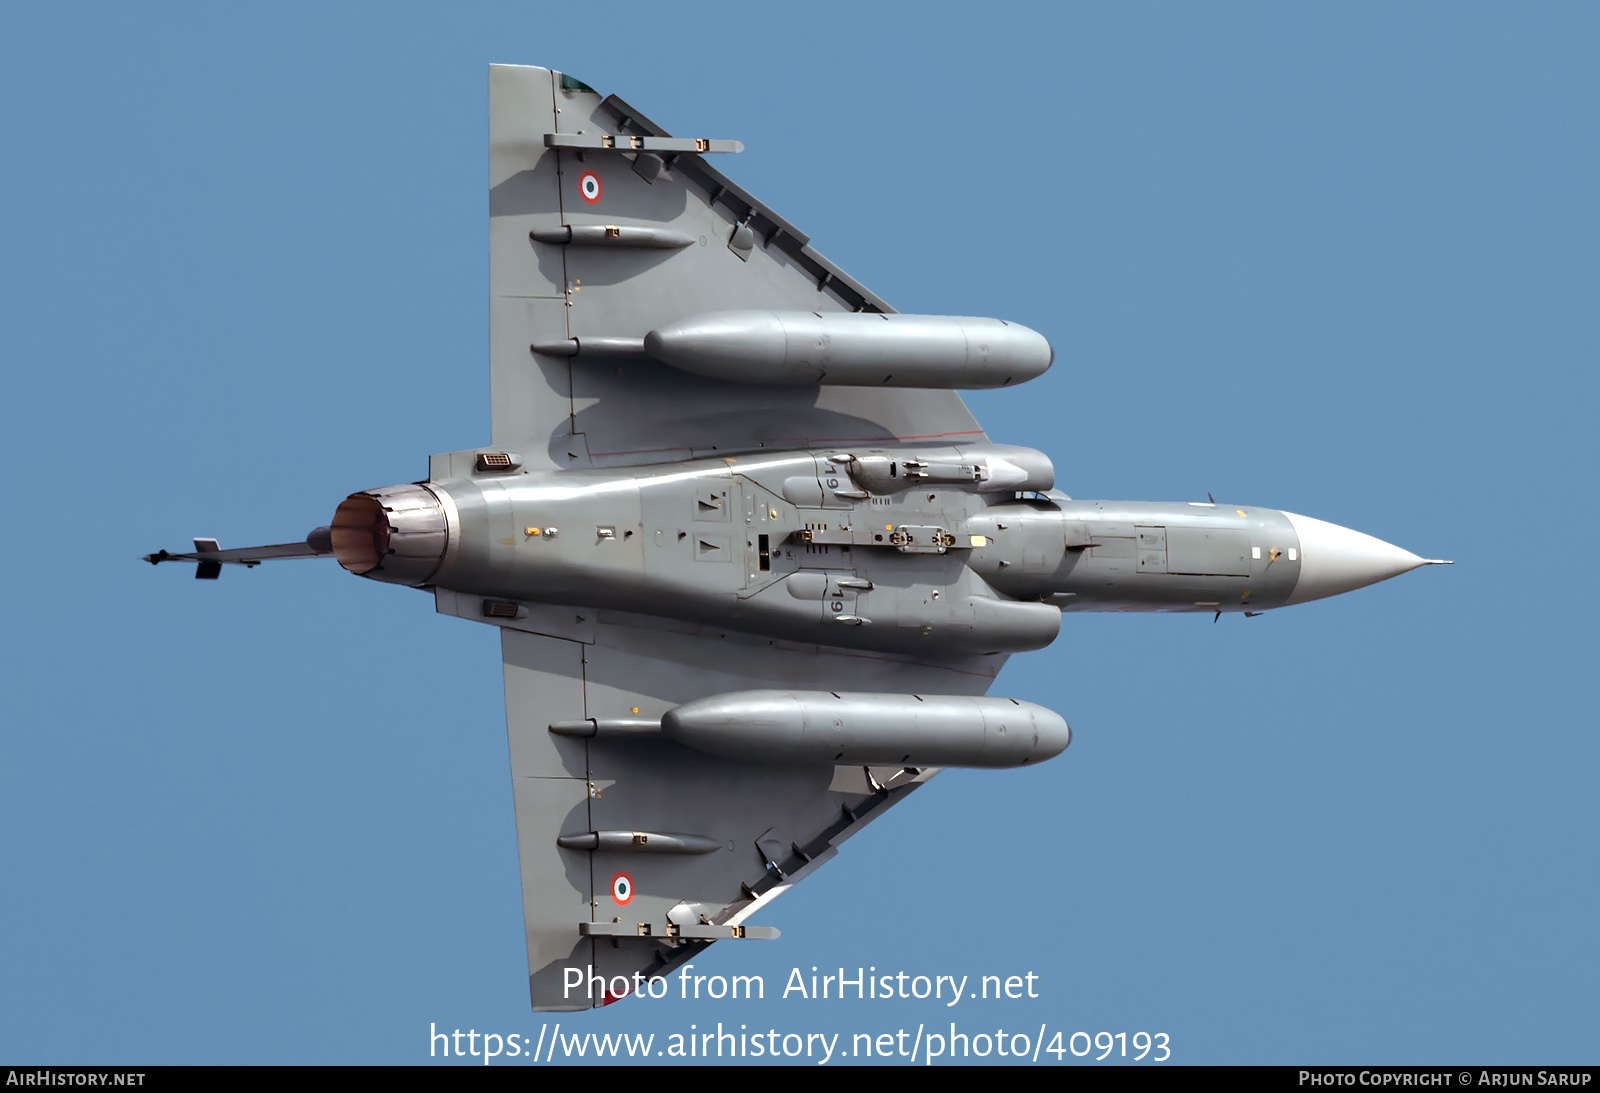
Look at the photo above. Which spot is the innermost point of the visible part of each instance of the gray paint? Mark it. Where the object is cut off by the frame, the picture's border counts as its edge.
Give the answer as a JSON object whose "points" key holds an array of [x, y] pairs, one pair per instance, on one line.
{"points": [[809, 347], [612, 235], [639, 842], [743, 612], [649, 412], [834, 727]]}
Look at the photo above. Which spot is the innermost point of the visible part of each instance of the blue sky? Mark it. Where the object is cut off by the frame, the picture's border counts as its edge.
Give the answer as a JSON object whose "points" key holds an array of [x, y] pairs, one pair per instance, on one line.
{"points": [[1334, 258]]}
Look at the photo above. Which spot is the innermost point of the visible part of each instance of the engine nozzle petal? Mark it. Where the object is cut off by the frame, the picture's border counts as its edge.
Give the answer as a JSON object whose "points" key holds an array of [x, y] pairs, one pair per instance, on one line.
{"points": [[396, 534]]}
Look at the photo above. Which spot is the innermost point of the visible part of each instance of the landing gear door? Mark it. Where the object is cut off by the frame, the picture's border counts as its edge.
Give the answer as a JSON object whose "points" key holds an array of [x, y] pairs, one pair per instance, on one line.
{"points": [[1151, 543]]}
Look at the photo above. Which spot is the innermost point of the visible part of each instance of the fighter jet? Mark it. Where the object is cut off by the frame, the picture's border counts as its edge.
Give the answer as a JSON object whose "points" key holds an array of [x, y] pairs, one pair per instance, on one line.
{"points": [[753, 563]]}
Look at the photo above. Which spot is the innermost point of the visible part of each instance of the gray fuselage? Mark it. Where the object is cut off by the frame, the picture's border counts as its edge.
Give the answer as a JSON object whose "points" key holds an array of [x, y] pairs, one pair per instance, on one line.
{"points": [[901, 551]]}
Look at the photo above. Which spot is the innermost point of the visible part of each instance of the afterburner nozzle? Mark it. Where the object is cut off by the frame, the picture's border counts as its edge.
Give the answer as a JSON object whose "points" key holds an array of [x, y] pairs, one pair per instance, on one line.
{"points": [[396, 534]]}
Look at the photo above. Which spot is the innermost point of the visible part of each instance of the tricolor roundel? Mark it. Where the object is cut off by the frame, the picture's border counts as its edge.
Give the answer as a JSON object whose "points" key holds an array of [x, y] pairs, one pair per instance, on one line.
{"points": [[622, 889]]}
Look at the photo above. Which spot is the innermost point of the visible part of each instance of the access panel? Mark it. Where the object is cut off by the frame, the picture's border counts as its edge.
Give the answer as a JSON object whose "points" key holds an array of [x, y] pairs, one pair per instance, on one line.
{"points": [[1209, 551]]}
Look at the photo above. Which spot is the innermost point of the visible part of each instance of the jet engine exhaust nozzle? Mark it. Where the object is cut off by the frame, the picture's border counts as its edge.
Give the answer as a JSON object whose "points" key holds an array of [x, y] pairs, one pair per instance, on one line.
{"points": [[396, 534]]}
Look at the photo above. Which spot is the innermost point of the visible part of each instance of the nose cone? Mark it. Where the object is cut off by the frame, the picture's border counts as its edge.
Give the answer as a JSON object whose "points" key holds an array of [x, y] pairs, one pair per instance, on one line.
{"points": [[1335, 559]]}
